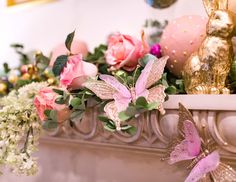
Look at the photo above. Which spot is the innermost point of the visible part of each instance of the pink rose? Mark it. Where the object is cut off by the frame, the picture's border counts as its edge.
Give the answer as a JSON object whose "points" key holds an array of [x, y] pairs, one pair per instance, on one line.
{"points": [[45, 100], [77, 47], [76, 72], [125, 51]]}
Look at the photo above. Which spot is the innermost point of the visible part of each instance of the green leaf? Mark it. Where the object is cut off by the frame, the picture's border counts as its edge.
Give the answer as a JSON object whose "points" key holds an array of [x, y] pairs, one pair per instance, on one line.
{"points": [[130, 111], [77, 116], [143, 61], [123, 116], [75, 102], [47, 113], [69, 40], [42, 61], [171, 90], [136, 74], [129, 129], [59, 64], [108, 128], [153, 105], [164, 80], [132, 130], [60, 100], [141, 101], [50, 124], [130, 80], [6, 68], [17, 46], [53, 115], [103, 118], [59, 92]]}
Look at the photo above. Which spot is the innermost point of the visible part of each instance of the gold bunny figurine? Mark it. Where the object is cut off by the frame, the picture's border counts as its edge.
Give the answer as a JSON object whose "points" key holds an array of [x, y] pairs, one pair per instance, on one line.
{"points": [[206, 71]]}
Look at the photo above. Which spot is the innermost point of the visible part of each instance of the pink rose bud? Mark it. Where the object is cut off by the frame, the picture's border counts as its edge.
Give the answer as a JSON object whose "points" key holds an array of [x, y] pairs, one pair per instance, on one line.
{"points": [[76, 72], [124, 51]]}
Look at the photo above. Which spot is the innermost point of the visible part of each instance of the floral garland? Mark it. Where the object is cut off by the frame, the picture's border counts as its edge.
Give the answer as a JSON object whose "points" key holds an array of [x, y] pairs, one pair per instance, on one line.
{"points": [[124, 78]]}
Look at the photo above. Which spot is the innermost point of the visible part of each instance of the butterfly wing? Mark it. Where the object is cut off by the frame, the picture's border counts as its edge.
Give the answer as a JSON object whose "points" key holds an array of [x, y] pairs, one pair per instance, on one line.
{"points": [[204, 166], [184, 114], [112, 113], [190, 147], [113, 82], [123, 96], [192, 137], [150, 74], [180, 153], [103, 90], [157, 94], [224, 172]]}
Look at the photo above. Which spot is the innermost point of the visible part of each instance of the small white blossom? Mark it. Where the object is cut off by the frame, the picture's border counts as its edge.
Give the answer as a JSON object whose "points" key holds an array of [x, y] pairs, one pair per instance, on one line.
{"points": [[19, 119]]}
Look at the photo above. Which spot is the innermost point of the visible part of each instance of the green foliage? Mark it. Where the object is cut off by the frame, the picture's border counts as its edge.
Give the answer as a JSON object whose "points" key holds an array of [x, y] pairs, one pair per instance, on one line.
{"points": [[158, 28], [78, 103], [129, 129], [51, 121], [6, 68], [173, 85], [75, 102], [98, 53], [24, 59], [69, 40], [59, 64], [109, 125], [98, 58], [41, 61], [21, 83], [58, 91], [134, 109]]}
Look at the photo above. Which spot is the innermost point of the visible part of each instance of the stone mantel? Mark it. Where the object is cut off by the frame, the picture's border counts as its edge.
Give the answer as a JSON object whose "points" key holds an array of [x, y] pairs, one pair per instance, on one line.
{"points": [[202, 102], [215, 113]]}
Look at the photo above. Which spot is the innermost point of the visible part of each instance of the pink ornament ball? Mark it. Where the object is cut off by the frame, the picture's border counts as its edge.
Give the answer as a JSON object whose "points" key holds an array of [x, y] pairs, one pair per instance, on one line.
{"points": [[180, 39]]}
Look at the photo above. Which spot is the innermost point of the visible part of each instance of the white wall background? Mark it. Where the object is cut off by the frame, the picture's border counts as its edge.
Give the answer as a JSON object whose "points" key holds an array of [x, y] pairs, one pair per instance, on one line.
{"points": [[44, 26]]}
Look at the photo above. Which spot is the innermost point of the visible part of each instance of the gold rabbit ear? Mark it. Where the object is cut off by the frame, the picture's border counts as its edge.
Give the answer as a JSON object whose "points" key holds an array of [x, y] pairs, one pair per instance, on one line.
{"points": [[223, 4], [211, 6]]}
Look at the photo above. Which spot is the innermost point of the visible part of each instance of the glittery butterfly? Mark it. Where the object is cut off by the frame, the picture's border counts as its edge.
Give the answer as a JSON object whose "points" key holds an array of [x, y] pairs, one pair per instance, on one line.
{"points": [[206, 165], [109, 88]]}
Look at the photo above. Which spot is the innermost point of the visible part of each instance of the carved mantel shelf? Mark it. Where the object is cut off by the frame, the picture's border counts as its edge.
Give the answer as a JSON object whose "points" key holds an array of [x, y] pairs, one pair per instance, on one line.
{"points": [[216, 114]]}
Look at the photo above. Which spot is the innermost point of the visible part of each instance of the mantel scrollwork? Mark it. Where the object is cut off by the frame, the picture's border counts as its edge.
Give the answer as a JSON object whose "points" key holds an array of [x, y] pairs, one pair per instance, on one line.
{"points": [[155, 131]]}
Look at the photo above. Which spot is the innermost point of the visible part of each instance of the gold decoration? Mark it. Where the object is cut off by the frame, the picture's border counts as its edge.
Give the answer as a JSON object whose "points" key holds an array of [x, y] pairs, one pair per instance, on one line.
{"points": [[25, 76], [13, 79], [205, 72], [3, 88], [51, 81]]}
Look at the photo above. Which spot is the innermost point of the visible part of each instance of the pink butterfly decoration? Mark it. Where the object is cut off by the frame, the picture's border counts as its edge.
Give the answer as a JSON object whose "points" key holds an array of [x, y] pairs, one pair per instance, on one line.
{"points": [[206, 165], [109, 88]]}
